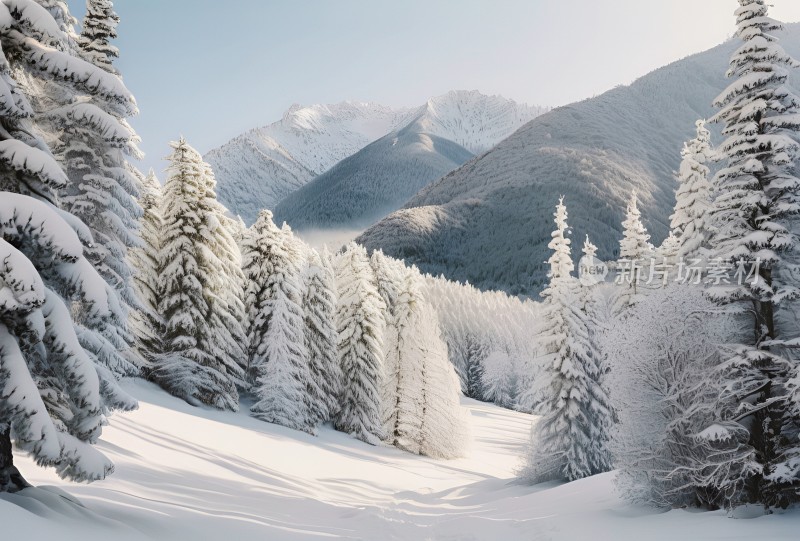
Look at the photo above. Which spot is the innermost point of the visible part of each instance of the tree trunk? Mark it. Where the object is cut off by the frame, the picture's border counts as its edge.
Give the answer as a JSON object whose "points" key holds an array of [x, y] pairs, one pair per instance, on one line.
{"points": [[766, 428], [10, 478]]}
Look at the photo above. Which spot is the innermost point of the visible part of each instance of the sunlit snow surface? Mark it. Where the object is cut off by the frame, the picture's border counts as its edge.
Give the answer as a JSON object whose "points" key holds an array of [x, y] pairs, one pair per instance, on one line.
{"points": [[187, 473]]}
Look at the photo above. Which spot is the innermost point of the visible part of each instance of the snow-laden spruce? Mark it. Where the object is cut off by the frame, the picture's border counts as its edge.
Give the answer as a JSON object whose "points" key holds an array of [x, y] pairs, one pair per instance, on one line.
{"points": [[281, 363], [669, 253], [690, 221], [420, 395], [360, 325], [677, 443], [499, 379], [754, 213], [445, 426], [50, 389], [54, 395], [401, 392], [90, 137], [76, 107], [145, 322], [99, 27], [319, 308], [571, 439], [202, 340], [259, 245], [635, 250], [635, 245]]}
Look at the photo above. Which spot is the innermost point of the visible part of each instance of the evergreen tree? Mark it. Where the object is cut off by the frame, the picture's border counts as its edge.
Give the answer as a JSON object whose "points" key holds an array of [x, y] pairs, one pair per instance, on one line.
{"points": [[755, 203], [670, 249], [283, 372], [261, 247], [405, 350], [445, 428], [53, 396], [634, 252], [477, 352], [200, 356], [635, 245], [498, 379], [571, 440], [690, 221], [90, 137], [49, 387], [360, 325], [146, 323], [420, 394], [319, 307], [98, 29]]}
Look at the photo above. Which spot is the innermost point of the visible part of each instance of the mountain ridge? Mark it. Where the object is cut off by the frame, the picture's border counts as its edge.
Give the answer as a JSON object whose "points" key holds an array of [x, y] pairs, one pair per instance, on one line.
{"points": [[489, 221], [262, 166]]}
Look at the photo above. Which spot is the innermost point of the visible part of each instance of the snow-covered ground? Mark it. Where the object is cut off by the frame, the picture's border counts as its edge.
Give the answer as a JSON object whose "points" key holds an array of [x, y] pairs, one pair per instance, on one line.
{"points": [[188, 473]]}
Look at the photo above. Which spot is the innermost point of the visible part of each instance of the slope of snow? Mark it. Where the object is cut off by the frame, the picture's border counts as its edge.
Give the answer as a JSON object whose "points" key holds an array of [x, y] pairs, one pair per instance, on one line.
{"points": [[193, 474], [493, 215], [259, 168]]}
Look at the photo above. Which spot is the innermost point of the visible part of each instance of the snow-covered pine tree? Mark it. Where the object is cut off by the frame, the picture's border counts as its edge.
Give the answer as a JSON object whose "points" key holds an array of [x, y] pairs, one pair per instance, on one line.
{"points": [[635, 252], [476, 353], [281, 388], [498, 378], [52, 395], [50, 399], [389, 276], [86, 113], [405, 350], [635, 243], [360, 325], [589, 250], [420, 394], [588, 304], [690, 221], [319, 308], [59, 11], [260, 247], [445, 428], [400, 424], [231, 311], [669, 251], [90, 138], [98, 29], [238, 229], [200, 357], [145, 322], [571, 440], [756, 199]]}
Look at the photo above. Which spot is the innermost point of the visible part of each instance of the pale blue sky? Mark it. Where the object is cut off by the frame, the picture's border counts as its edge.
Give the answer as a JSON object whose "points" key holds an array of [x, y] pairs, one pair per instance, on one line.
{"points": [[210, 69]]}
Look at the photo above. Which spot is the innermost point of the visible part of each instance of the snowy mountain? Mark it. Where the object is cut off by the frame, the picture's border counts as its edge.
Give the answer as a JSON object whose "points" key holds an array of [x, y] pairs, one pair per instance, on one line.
{"points": [[444, 134], [373, 182], [260, 168], [473, 120], [489, 222], [187, 473]]}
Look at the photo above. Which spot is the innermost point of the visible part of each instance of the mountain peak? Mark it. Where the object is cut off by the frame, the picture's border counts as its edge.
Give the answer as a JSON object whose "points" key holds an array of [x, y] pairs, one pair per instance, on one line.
{"points": [[262, 166], [474, 120]]}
